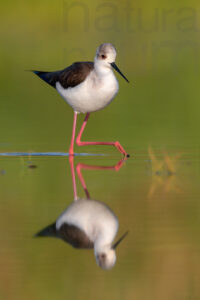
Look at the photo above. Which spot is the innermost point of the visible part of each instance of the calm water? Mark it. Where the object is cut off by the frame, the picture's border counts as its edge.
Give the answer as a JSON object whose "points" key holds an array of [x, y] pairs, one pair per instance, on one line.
{"points": [[155, 195]]}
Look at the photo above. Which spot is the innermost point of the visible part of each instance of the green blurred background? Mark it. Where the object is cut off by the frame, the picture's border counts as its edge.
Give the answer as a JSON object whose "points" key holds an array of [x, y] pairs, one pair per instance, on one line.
{"points": [[158, 50], [158, 45]]}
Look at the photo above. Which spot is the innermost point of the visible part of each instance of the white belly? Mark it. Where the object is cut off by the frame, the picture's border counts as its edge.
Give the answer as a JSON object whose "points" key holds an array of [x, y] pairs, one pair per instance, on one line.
{"points": [[92, 94]]}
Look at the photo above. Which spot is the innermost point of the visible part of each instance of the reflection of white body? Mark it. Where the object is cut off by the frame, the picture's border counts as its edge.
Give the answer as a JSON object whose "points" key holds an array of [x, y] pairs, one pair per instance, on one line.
{"points": [[98, 222], [88, 224]]}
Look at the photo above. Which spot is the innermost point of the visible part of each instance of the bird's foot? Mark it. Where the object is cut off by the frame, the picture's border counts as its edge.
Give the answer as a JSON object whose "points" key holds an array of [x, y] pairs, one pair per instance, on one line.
{"points": [[121, 149]]}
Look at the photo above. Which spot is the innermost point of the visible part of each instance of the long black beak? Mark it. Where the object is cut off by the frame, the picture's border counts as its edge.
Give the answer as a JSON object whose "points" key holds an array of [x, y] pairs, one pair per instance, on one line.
{"points": [[118, 70], [120, 240]]}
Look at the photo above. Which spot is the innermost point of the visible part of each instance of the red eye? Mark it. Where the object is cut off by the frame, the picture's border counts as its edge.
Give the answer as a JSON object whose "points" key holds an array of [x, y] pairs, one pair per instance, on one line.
{"points": [[103, 56]]}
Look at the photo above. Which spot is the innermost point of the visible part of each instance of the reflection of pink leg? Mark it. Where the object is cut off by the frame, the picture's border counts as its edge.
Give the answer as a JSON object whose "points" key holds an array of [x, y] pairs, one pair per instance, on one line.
{"points": [[115, 144], [71, 162], [71, 148], [89, 167], [78, 170]]}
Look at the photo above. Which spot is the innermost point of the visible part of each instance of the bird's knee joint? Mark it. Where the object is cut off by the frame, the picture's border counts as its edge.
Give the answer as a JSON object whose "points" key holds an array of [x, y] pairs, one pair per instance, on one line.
{"points": [[78, 141]]}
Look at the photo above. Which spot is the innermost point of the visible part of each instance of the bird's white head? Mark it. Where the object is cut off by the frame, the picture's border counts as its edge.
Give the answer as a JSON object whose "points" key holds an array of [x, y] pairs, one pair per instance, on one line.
{"points": [[105, 54], [106, 255], [105, 59], [106, 258]]}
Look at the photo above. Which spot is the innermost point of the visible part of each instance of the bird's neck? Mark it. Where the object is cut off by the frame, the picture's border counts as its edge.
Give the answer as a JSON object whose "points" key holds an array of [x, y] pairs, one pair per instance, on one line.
{"points": [[101, 70], [103, 242], [99, 248]]}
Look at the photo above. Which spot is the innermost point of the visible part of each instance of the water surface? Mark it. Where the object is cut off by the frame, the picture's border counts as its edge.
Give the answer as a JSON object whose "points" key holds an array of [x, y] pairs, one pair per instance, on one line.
{"points": [[155, 195]]}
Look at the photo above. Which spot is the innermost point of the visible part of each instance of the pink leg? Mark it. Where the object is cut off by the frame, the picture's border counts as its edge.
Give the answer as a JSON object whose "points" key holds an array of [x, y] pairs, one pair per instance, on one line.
{"points": [[92, 167], [71, 162], [78, 170], [71, 148], [115, 144]]}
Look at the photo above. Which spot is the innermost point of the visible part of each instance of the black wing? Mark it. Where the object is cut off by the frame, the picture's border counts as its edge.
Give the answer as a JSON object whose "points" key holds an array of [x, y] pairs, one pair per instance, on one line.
{"points": [[68, 233], [74, 236], [69, 77]]}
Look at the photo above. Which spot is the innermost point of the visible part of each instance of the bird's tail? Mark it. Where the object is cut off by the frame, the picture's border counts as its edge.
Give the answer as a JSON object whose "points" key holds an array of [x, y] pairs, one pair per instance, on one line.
{"points": [[48, 77], [49, 231]]}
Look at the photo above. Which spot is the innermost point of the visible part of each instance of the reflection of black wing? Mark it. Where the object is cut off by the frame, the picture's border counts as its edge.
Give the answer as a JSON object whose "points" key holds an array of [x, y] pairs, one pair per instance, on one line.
{"points": [[68, 233], [74, 236]]}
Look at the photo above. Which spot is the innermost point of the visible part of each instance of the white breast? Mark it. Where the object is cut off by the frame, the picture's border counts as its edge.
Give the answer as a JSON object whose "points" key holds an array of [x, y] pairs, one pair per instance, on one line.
{"points": [[93, 94]]}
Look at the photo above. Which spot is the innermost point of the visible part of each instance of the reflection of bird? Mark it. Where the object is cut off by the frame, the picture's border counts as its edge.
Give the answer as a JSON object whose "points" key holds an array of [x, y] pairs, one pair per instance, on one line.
{"points": [[88, 224], [87, 87]]}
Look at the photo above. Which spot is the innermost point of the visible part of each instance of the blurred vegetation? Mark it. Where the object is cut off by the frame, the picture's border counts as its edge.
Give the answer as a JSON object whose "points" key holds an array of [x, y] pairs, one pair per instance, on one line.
{"points": [[158, 50]]}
